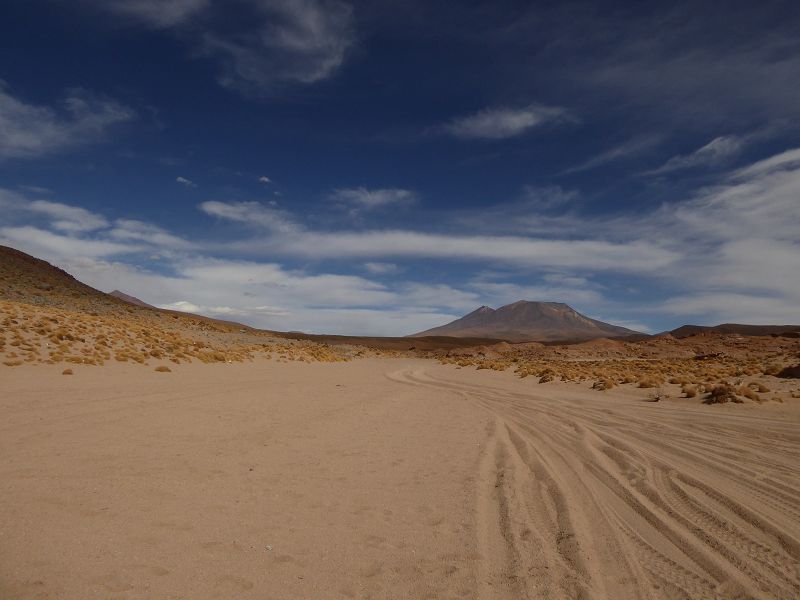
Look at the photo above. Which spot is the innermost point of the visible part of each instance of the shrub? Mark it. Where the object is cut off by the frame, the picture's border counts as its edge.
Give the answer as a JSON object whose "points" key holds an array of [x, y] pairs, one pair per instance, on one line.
{"points": [[649, 382], [721, 394], [772, 369], [747, 392], [163, 369], [603, 384], [690, 391], [67, 372]]}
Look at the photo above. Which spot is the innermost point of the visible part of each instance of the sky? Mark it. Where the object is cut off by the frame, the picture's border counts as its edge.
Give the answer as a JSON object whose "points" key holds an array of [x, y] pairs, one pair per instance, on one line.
{"points": [[385, 167]]}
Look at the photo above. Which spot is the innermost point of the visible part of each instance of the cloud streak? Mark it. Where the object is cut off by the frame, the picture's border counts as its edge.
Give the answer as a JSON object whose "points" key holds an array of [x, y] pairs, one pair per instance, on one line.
{"points": [[293, 41], [276, 43], [714, 154], [367, 199], [30, 131], [498, 123], [186, 182]]}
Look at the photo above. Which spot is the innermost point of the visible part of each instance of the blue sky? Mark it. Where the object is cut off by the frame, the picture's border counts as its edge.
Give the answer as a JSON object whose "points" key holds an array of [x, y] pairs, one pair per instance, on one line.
{"points": [[385, 167]]}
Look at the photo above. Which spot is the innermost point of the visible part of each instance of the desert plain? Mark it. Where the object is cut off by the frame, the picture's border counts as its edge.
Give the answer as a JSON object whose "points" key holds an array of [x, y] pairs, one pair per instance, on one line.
{"points": [[386, 478], [150, 454]]}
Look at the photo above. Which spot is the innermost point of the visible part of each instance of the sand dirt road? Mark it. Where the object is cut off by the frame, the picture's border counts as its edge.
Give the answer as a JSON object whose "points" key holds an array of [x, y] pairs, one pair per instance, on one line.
{"points": [[386, 479]]}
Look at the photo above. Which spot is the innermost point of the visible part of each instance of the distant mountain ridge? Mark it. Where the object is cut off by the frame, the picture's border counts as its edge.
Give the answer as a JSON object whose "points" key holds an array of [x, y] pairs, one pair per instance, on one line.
{"points": [[734, 328], [525, 321], [130, 299]]}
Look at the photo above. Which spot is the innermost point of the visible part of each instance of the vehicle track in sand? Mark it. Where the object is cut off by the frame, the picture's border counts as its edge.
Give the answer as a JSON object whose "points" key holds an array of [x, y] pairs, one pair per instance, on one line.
{"points": [[580, 499]]}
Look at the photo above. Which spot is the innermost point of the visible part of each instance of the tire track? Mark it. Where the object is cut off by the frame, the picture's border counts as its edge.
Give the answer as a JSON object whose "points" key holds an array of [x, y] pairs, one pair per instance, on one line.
{"points": [[605, 500]]}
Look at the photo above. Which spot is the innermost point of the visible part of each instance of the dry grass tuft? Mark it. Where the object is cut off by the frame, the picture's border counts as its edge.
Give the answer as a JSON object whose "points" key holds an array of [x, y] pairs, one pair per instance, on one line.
{"points": [[773, 368], [163, 369], [650, 382], [603, 384], [721, 394], [67, 372]]}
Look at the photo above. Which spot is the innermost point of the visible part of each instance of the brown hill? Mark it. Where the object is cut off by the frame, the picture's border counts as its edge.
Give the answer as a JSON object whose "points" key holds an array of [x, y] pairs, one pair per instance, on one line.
{"points": [[30, 281], [129, 299], [529, 321]]}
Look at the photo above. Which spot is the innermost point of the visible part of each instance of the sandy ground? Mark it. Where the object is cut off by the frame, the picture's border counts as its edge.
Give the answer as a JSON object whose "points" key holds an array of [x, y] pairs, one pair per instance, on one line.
{"points": [[386, 479]]}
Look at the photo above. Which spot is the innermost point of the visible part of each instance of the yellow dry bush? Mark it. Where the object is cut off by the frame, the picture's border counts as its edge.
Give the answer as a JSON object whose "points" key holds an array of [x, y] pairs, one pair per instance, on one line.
{"points": [[603, 384], [650, 382], [690, 391]]}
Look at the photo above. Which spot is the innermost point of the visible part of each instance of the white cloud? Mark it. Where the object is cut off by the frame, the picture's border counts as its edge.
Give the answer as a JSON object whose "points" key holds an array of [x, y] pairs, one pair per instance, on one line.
{"points": [[634, 256], [67, 218], [138, 231], [272, 282], [40, 242], [788, 160], [186, 182], [714, 153], [226, 311], [252, 213], [291, 239], [296, 41], [75, 231], [366, 199], [182, 306], [264, 179], [726, 253], [498, 123], [30, 130]]}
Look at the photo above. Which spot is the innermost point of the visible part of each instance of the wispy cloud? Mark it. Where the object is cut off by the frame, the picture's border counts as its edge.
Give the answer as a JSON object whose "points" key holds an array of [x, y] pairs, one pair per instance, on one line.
{"points": [[264, 179], [271, 43], [714, 154], [226, 311], [547, 198], [369, 199], [132, 230], [252, 213], [67, 218], [43, 242], [185, 182], [632, 256], [29, 130], [785, 161], [629, 148], [497, 123], [293, 41]]}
